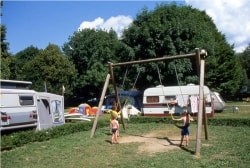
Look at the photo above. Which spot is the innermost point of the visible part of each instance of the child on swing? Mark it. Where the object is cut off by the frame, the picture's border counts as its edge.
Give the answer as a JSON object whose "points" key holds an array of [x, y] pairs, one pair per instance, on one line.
{"points": [[114, 114], [186, 119]]}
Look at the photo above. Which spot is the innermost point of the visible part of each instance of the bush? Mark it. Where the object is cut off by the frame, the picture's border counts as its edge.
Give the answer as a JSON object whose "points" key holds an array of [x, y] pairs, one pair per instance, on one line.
{"points": [[18, 139], [236, 122], [21, 138], [150, 120]]}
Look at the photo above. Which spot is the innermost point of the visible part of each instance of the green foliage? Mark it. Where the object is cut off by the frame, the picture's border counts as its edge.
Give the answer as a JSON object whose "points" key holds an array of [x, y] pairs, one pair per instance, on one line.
{"points": [[235, 122], [52, 67], [5, 67], [4, 43], [225, 73], [173, 30], [21, 58], [21, 138], [244, 59], [5, 57], [150, 119], [91, 50]]}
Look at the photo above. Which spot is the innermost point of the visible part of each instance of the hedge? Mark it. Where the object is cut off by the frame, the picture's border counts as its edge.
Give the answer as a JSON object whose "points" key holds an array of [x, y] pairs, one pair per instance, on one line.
{"points": [[237, 122], [21, 138]]}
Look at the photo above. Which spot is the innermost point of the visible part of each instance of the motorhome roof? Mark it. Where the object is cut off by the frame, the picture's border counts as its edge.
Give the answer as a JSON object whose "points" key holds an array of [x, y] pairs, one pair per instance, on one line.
{"points": [[12, 91], [175, 90], [15, 84], [15, 81], [46, 94]]}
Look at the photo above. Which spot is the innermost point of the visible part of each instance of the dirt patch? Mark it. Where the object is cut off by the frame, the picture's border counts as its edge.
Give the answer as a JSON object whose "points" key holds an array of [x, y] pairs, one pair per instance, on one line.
{"points": [[153, 142]]}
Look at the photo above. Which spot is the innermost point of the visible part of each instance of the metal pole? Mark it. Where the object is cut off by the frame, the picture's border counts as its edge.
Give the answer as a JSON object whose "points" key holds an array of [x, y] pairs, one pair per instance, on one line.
{"points": [[100, 105]]}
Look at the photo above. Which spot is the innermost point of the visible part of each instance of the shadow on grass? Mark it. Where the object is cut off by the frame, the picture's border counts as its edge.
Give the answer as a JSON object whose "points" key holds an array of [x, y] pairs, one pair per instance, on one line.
{"points": [[187, 150], [174, 144], [109, 141]]}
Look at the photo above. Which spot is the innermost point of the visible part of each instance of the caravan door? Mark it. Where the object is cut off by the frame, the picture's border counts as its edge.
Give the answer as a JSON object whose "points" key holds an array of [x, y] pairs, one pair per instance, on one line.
{"points": [[50, 110], [44, 113]]}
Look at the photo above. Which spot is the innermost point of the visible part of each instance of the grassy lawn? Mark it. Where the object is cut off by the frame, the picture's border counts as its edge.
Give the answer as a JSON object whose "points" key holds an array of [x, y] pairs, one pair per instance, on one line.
{"points": [[231, 112], [227, 147]]}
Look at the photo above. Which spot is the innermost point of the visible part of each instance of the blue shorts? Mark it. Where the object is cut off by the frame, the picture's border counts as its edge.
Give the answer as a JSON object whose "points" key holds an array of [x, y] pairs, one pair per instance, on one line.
{"points": [[184, 130]]}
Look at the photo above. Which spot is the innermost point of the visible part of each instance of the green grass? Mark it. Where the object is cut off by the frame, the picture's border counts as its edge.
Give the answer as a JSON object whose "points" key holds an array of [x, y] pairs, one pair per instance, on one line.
{"points": [[230, 112], [226, 146]]}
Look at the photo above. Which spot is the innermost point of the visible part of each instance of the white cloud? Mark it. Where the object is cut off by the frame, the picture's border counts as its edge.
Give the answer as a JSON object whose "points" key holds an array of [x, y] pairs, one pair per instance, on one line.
{"points": [[117, 23], [97, 23], [231, 18]]}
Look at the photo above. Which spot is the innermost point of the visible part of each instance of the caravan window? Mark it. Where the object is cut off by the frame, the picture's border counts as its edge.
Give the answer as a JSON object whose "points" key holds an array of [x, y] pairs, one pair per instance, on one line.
{"points": [[152, 99], [170, 99], [26, 100], [57, 111]]}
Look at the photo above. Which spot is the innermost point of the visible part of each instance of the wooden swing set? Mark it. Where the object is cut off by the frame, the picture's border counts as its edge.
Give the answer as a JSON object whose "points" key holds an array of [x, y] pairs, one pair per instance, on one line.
{"points": [[200, 62]]}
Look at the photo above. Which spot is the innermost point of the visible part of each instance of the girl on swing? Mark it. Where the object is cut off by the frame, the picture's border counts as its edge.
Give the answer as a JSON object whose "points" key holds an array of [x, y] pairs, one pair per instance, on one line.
{"points": [[114, 113], [186, 119]]}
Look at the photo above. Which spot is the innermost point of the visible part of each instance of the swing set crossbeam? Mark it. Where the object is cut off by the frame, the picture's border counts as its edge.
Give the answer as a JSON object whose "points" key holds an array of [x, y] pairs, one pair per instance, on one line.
{"points": [[154, 59]]}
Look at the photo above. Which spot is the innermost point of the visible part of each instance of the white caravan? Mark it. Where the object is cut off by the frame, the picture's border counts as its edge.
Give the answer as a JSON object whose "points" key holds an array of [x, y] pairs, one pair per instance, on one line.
{"points": [[18, 109], [163, 101], [218, 102], [22, 108]]}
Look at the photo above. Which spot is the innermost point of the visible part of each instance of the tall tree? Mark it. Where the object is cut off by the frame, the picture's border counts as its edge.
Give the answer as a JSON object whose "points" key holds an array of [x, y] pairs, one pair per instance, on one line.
{"points": [[5, 57], [172, 30], [52, 68], [91, 50], [21, 58], [244, 59]]}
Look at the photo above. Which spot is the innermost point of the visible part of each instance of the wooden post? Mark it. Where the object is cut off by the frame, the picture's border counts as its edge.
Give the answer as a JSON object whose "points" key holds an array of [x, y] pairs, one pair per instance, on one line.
{"points": [[212, 104], [205, 120], [201, 97], [203, 54], [154, 59], [198, 60], [100, 105], [116, 92]]}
